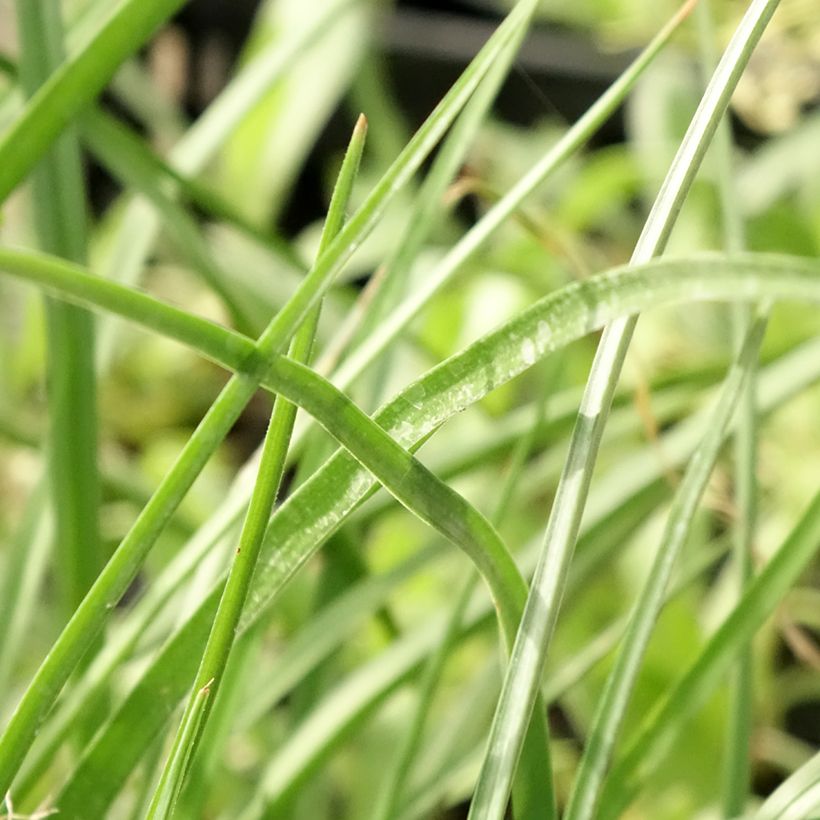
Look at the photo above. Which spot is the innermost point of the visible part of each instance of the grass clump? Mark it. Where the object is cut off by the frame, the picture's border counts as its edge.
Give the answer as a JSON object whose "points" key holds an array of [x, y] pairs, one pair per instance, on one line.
{"points": [[215, 605]]}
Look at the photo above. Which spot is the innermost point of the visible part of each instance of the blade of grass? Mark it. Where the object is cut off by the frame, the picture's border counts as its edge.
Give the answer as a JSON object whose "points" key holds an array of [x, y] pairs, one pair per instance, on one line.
{"points": [[430, 204], [646, 750], [786, 801], [613, 703], [100, 130], [138, 226], [297, 530], [546, 590], [59, 215], [394, 783], [737, 777], [128, 167], [271, 468], [23, 572], [612, 707], [518, 344], [114, 580], [77, 81]]}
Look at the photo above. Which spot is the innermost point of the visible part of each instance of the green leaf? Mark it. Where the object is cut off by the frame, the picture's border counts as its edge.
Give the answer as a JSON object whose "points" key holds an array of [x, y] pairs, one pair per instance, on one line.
{"points": [[646, 749], [76, 83], [60, 219], [614, 700], [271, 468]]}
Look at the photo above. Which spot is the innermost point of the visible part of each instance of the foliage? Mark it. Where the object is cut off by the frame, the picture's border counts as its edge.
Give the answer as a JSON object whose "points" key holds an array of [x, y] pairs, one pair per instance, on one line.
{"points": [[280, 627]]}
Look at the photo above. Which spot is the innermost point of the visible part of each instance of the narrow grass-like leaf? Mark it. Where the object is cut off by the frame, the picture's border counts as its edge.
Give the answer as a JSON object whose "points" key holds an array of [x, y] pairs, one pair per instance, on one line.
{"points": [[521, 681], [60, 219], [138, 227], [23, 572], [135, 174], [77, 81], [737, 778], [646, 750], [394, 783], [430, 202], [165, 797], [612, 706], [796, 797], [271, 469], [99, 130]]}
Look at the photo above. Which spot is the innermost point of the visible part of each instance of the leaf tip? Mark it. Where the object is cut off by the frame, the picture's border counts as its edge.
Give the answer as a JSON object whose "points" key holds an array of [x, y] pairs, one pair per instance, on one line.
{"points": [[685, 10]]}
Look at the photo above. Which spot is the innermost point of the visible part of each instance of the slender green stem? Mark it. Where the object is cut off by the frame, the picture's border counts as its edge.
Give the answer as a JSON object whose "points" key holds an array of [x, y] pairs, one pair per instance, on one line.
{"points": [[269, 477], [74, 84], [521, 682], [647, 749], [612, 706], [737, 774], [392, 789], [430, 204], [59, 204]]}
